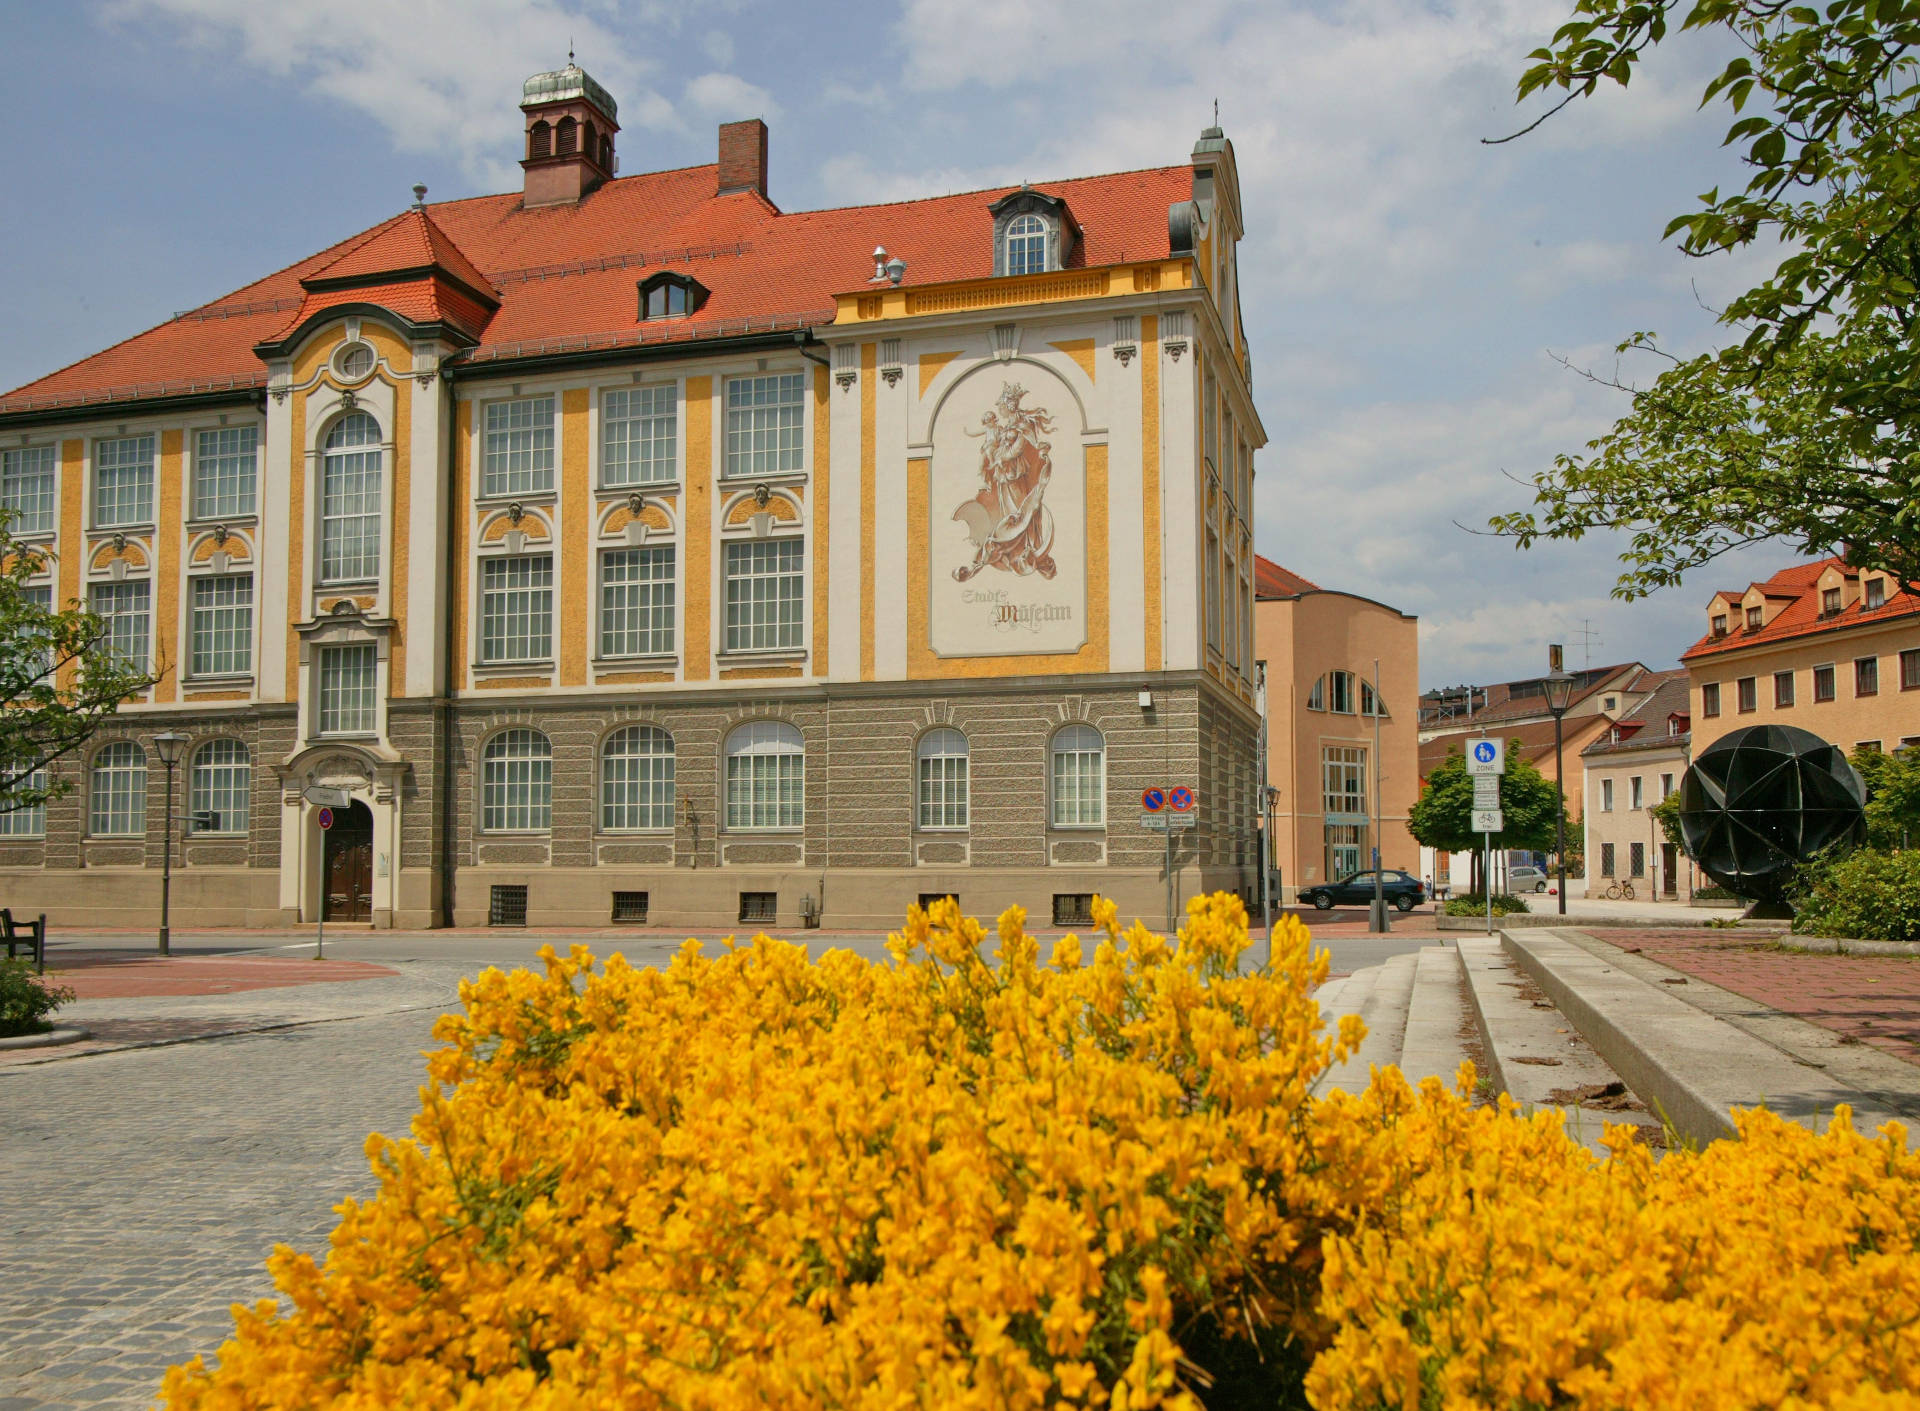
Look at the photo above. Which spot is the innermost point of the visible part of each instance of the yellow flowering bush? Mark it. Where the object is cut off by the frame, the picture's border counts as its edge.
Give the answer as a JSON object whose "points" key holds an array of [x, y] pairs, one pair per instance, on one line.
{"points": [[753, 1180], [1093, 1179]]}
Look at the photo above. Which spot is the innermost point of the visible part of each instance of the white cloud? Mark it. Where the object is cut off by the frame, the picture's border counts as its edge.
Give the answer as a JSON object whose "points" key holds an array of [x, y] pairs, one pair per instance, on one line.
{"points": [[728, 97], [717, 45]]}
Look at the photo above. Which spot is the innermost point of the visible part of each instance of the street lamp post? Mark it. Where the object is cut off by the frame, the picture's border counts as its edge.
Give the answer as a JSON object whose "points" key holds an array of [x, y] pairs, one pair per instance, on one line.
{"points": [[1559, 697], [168, 744]]}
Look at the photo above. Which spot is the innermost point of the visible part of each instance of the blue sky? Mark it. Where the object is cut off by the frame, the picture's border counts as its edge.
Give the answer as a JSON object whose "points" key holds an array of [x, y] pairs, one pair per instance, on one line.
{"points": [[1404, 284]]}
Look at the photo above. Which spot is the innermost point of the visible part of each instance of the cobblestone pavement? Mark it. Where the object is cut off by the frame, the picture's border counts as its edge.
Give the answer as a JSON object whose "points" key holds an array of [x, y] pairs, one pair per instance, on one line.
{"points": [[1867, 999], [144, 1190]]}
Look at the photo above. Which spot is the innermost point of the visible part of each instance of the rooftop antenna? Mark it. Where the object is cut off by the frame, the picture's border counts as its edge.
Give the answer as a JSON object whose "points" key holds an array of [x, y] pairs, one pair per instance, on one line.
{"points": [[569, 48], [419, 195], [1589, 639], [1216, 112]]}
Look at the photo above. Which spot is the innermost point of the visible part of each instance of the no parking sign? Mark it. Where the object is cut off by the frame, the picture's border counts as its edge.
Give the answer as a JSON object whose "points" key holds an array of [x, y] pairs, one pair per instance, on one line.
{"points": [[324, 818]]}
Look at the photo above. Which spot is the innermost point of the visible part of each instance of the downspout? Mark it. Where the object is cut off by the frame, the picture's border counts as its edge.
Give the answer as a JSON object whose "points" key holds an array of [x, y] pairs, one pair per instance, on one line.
{"points": [[805, 340]]}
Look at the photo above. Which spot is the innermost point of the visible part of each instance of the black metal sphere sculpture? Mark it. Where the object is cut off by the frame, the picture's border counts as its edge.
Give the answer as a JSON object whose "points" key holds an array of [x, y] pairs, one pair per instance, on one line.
{"points": [[1759, 801]]}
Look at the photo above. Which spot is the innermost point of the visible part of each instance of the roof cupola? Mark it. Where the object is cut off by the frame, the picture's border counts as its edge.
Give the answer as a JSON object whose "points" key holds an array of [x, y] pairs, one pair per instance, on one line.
{"points": [[570, 121]]}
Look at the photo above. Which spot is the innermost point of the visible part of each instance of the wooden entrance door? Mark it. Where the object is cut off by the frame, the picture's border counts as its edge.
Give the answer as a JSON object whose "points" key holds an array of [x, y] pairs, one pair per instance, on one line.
{"points": [[348, 868], [1670, 870]]}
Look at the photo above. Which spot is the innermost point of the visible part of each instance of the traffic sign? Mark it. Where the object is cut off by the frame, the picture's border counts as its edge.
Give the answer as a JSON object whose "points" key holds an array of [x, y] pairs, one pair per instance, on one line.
{"points": [[1154, 822], [1487, 757], [320, 796], [1153, 800], [324, 818], [1489, 820], [1486, 791], [1164, 822], [1178, 821], [1180, 800]]}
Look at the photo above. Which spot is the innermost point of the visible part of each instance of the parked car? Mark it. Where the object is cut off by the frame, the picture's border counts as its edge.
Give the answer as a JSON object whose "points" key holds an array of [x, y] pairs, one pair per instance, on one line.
{"points": [[1524, 878], [1403, 891]]}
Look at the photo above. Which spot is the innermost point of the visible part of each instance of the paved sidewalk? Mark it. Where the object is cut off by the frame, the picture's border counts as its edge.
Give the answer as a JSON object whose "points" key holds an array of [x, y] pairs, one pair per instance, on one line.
{"points": [[1865, 999]]}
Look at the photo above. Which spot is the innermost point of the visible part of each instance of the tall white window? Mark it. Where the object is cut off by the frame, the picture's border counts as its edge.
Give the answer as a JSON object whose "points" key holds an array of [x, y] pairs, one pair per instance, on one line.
{"points": [[516, 608], [218, 783], [636, 602], [1606, 796], [943, 779], [1079, 777], [29, 638], [1213, 589], [123, 482], [127, 610], [517, 783], [117, 792], [27, 822], [350, 496], [347, 701], [766, 424], [222, 626], [636, 780], [639, 426], [1343, 775], [766, 777], [518, 456], [1636, 793], [1230, 611], [224, 472], [26, 488], [765, 597], [1026, 245]]}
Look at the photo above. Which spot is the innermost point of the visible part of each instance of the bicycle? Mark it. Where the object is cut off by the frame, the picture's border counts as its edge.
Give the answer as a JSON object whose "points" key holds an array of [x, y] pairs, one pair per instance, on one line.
{"points": [[1618, 891]]}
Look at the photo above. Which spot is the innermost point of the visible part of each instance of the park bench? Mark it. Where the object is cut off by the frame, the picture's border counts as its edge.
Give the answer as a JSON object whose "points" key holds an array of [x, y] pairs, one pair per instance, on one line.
{"points": [[30, 934]]}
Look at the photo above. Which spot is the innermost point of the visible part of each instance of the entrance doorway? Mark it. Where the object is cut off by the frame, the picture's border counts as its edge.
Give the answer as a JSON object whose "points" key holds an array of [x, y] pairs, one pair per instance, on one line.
{"points": [[1669, 870], [346, 876]]}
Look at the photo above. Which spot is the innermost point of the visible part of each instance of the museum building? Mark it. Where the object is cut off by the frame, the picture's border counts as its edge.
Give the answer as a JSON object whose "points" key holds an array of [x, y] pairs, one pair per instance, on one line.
{"points": [[626, 549]]}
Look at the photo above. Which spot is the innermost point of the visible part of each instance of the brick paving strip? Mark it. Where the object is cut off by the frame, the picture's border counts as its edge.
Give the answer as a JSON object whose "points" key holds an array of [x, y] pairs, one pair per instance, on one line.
{"points": [[1872, 1000]]}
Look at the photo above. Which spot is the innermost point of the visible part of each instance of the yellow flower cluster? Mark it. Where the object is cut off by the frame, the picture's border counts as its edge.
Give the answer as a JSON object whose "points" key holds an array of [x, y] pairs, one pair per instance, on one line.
{"points": [[1093, 1180], [754, 1180], [1507, 1268]]}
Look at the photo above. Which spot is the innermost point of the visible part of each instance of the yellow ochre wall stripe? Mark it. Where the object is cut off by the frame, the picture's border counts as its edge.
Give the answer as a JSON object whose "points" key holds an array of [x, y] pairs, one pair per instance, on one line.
{"points": [[822, 456], [1150, 478], [297, 604], [166, 569], [72, 492], [402, 512], [932, 365], [576, 534], [698, 657], [868, 476]]}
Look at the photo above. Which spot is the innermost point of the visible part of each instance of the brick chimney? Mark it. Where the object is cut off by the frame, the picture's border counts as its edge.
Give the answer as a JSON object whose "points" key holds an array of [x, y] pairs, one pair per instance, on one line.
{"points": [[570, 126], [743, 156]]}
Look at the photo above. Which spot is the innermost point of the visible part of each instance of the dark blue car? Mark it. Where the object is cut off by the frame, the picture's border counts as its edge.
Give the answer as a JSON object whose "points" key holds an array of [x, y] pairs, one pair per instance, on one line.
{"points": [[1400, 890]]}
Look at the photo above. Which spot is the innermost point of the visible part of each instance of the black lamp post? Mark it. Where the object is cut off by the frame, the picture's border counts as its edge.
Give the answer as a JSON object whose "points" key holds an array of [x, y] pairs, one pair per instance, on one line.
{"points": [[1559, 697], [168, 744]]}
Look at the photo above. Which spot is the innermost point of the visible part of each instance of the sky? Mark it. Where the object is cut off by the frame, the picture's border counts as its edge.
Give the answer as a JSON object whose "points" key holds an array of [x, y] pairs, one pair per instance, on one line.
{"points": [[1411, 292]]}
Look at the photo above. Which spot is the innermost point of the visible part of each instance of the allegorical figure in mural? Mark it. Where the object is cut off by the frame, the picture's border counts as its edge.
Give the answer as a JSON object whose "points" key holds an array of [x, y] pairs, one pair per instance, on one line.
{"points": [[1007, 521]]}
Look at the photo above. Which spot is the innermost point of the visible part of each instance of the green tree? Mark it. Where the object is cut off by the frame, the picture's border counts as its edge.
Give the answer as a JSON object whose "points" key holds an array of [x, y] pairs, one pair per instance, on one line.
{"points": [[1667, 814], [1893, 796], [1805, 429], [58, 679], [1442, 817]]}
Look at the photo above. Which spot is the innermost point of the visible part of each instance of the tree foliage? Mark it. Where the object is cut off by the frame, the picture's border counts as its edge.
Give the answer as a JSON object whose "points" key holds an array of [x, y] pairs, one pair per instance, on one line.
{"points": [[1442, 817], [58, 679], [1804, 429], [1893, 796]]}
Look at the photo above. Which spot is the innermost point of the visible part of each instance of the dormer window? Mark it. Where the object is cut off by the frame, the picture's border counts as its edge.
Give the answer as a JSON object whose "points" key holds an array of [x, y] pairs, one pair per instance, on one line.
{"points": [[671, 296], [1876, 592], [1719, 624], [1032, 233], [1753, 619], [1829, 601]]}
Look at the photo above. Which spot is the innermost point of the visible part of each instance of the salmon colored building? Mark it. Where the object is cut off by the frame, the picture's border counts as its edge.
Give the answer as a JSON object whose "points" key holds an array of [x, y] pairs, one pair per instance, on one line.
{"points": [[1822, 645], [1337, 784], [627, 548]]}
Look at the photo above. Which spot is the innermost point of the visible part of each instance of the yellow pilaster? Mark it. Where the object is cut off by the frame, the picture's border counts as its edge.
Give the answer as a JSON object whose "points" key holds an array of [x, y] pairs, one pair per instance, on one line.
{"points": [[869, 474], [402, 518], [576, 534], [462, 530], [72, 530], [167, 554], [1150, 478], [697, 656], [822, 474], [297, 605]]}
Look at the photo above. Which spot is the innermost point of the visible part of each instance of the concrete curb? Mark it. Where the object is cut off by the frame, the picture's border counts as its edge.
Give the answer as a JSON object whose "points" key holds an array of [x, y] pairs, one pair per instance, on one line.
{"points": [[1685, 1063], [52, 1038], [1530, 920], [1829, 945]]}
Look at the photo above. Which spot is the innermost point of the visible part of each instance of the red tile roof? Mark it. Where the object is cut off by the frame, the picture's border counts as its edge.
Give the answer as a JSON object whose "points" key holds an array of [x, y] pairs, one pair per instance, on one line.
{"points": [[1271, 581], [1801, 617], [566, 275]]}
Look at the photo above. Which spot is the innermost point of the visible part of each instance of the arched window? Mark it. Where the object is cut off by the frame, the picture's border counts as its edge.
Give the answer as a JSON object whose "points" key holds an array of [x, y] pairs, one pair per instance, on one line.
{"points": [[350, 496], [943, 779], [29, 822], [219, 782], [1317, 697], [606, 151], [540, 139], [117, 793], [1370, 703], [636, 779], [517, 783], [1079, 778], [568, 135], [1026, 245], [766, 777]]}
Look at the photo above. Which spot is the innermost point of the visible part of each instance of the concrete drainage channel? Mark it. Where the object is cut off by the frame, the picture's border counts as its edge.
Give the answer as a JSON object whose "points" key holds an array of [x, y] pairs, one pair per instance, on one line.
{"points": [[1560, 1019]]}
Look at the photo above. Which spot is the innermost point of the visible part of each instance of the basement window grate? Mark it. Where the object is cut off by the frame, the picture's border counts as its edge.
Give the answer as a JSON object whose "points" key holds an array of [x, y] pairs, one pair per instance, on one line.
{"points": [[1073, 908], [630, 906], [507, 905], [759, 906]]}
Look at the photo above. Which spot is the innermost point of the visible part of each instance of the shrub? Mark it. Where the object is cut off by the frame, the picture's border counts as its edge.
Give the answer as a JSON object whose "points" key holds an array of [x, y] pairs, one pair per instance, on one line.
{"points": [[1865, 896], [1472, 904], [26, 999]]}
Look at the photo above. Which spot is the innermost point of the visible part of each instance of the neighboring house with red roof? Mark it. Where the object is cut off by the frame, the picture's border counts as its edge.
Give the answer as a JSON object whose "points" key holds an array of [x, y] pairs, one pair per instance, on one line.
{"points": [[1336, 787], [1823, 645], [1636, 763], [628, 548]]}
